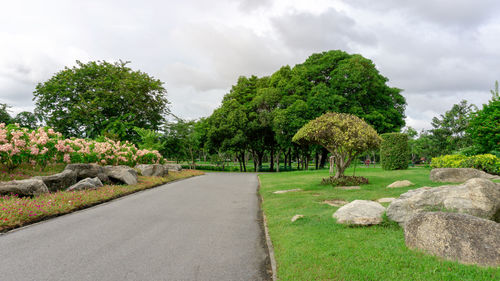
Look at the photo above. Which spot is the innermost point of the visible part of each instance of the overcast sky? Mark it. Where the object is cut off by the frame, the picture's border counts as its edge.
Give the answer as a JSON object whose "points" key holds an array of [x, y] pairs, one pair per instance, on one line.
{"points": [[439, 52]]}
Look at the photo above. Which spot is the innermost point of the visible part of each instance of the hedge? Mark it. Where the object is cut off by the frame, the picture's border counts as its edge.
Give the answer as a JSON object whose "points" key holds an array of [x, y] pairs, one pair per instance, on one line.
{"points": [[394, 151], [486, 162]]}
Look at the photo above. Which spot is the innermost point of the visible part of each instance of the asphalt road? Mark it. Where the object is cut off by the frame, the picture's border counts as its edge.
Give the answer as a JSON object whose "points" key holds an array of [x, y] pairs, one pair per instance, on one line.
{"points": [[203, 228]]}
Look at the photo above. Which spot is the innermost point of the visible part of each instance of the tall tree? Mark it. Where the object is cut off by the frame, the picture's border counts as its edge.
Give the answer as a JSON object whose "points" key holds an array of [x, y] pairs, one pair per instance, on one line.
{"points": [[484, 128], [26, 119], [79, 101], [4, 114], [449, 132]]}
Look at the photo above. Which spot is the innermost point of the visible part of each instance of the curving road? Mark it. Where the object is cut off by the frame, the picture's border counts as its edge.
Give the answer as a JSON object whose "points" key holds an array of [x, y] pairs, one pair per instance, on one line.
{"points": [[203, 228]]}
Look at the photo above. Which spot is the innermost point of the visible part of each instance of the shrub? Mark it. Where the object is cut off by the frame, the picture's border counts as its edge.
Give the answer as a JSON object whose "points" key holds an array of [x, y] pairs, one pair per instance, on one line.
{"points": [[486, 162], [394, 151], [345, 181]]}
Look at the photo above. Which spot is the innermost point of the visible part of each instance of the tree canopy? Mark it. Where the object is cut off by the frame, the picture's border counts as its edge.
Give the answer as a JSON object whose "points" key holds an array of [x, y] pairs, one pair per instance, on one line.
{"points": [[344, 135], [84, 100]]}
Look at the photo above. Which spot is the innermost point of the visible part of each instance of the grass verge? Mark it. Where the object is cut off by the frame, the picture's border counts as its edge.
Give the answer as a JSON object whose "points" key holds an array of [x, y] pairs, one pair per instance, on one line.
{"points": [[316, 248], [19, 211]]}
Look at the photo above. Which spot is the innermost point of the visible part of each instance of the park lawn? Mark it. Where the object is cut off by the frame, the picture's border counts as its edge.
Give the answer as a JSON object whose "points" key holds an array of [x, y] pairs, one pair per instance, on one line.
{"points": [[19, 211], [316, 248]]}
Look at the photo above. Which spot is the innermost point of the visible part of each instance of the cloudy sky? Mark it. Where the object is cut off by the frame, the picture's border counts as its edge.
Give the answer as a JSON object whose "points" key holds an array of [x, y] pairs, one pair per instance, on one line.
{"points": [[439, 52]]}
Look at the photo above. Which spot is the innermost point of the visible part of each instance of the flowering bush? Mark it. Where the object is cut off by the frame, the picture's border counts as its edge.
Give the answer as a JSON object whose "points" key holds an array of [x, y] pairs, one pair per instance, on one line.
{"points": [[45, 146]]}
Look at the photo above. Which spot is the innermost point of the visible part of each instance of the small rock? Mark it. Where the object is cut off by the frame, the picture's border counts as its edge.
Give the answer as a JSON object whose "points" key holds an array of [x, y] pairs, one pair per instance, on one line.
{"points": [[386, 200], [360, 212], [87, 183], [296, 217], [403, 183], [285, 191], [335, 203], [456, 237], [348, 187]]}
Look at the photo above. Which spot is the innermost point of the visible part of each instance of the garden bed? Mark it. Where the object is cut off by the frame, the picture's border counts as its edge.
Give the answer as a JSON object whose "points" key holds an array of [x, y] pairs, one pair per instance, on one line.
{"points": [[316, 248], [19, 211]]}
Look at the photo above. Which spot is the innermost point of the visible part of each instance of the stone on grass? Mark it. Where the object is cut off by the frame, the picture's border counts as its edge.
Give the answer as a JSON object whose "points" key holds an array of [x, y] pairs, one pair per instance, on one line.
{"points": [[457, 237], [59, 181], [403, 183], [386, 200], [296, 217], [360, 212], [152, 170], [458, 174], [121, 174], [348, 187], [173, 167], [84, 170], [335, 202], [28, 187], [288, 190], [477, 197], [88, 183]]}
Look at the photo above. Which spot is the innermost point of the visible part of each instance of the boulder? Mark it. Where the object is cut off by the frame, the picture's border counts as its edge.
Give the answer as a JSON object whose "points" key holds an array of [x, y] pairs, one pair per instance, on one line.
{"points": [[457, 237], [84, 171], [477, 197], [28, 187], [87, 183], [121, 174], [458, 174], [59, 181], [403, 183], [173, 167], [360, 212], [152, 170]]}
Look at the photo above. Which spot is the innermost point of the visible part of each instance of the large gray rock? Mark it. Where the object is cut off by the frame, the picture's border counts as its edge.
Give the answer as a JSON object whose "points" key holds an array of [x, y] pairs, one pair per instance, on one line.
{"points": [[29, 187], [360, 212], [173, 167], [152, 170], [458, 174], [84, 171], [59, 181], [87, 183], [456, 237], [121, 174], [477, 197]]}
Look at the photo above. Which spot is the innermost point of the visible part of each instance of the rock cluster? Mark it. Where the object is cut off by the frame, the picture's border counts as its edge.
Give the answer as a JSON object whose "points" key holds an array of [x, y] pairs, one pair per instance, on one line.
{"points": [[458, 174]]}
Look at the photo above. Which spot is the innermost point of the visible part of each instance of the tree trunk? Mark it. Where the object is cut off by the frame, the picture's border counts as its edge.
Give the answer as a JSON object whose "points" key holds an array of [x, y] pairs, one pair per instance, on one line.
{"points": [[271, 160], [316, 159], [286, 159], [278, 160], [324, 157], [243, 157]]}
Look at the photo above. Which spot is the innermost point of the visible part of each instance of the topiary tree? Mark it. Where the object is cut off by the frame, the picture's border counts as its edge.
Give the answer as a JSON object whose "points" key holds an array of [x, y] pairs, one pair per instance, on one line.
{"points": [[345, 136], [394, 151]]}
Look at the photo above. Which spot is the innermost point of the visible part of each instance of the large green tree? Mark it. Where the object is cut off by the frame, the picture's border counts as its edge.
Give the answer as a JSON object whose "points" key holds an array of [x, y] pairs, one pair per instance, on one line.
{"points": [[4, 114], [83, 100], [484, 127], [26, 119]]}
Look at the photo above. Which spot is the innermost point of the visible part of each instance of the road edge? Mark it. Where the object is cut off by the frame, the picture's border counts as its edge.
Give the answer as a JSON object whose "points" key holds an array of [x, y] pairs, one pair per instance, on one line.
{"points": [[269, 243]]}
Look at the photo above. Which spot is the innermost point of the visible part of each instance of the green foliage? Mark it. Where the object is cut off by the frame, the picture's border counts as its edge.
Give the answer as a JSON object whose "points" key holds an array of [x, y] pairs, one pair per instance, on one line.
{"points": [[394, 151], [26, 119], [484, 127], [486, 162], [82, 100], [344, 135], [4, 114], [149, 139], [449, 132], [345, 181]]}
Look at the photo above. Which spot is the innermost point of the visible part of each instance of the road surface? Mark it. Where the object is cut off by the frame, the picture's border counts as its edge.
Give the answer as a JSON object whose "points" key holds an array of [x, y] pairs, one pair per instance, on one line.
{"points": [[203, 228]]}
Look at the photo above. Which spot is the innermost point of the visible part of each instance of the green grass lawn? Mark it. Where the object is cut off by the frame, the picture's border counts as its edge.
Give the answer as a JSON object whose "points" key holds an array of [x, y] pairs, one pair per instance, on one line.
{"points": [[316, 248]]}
